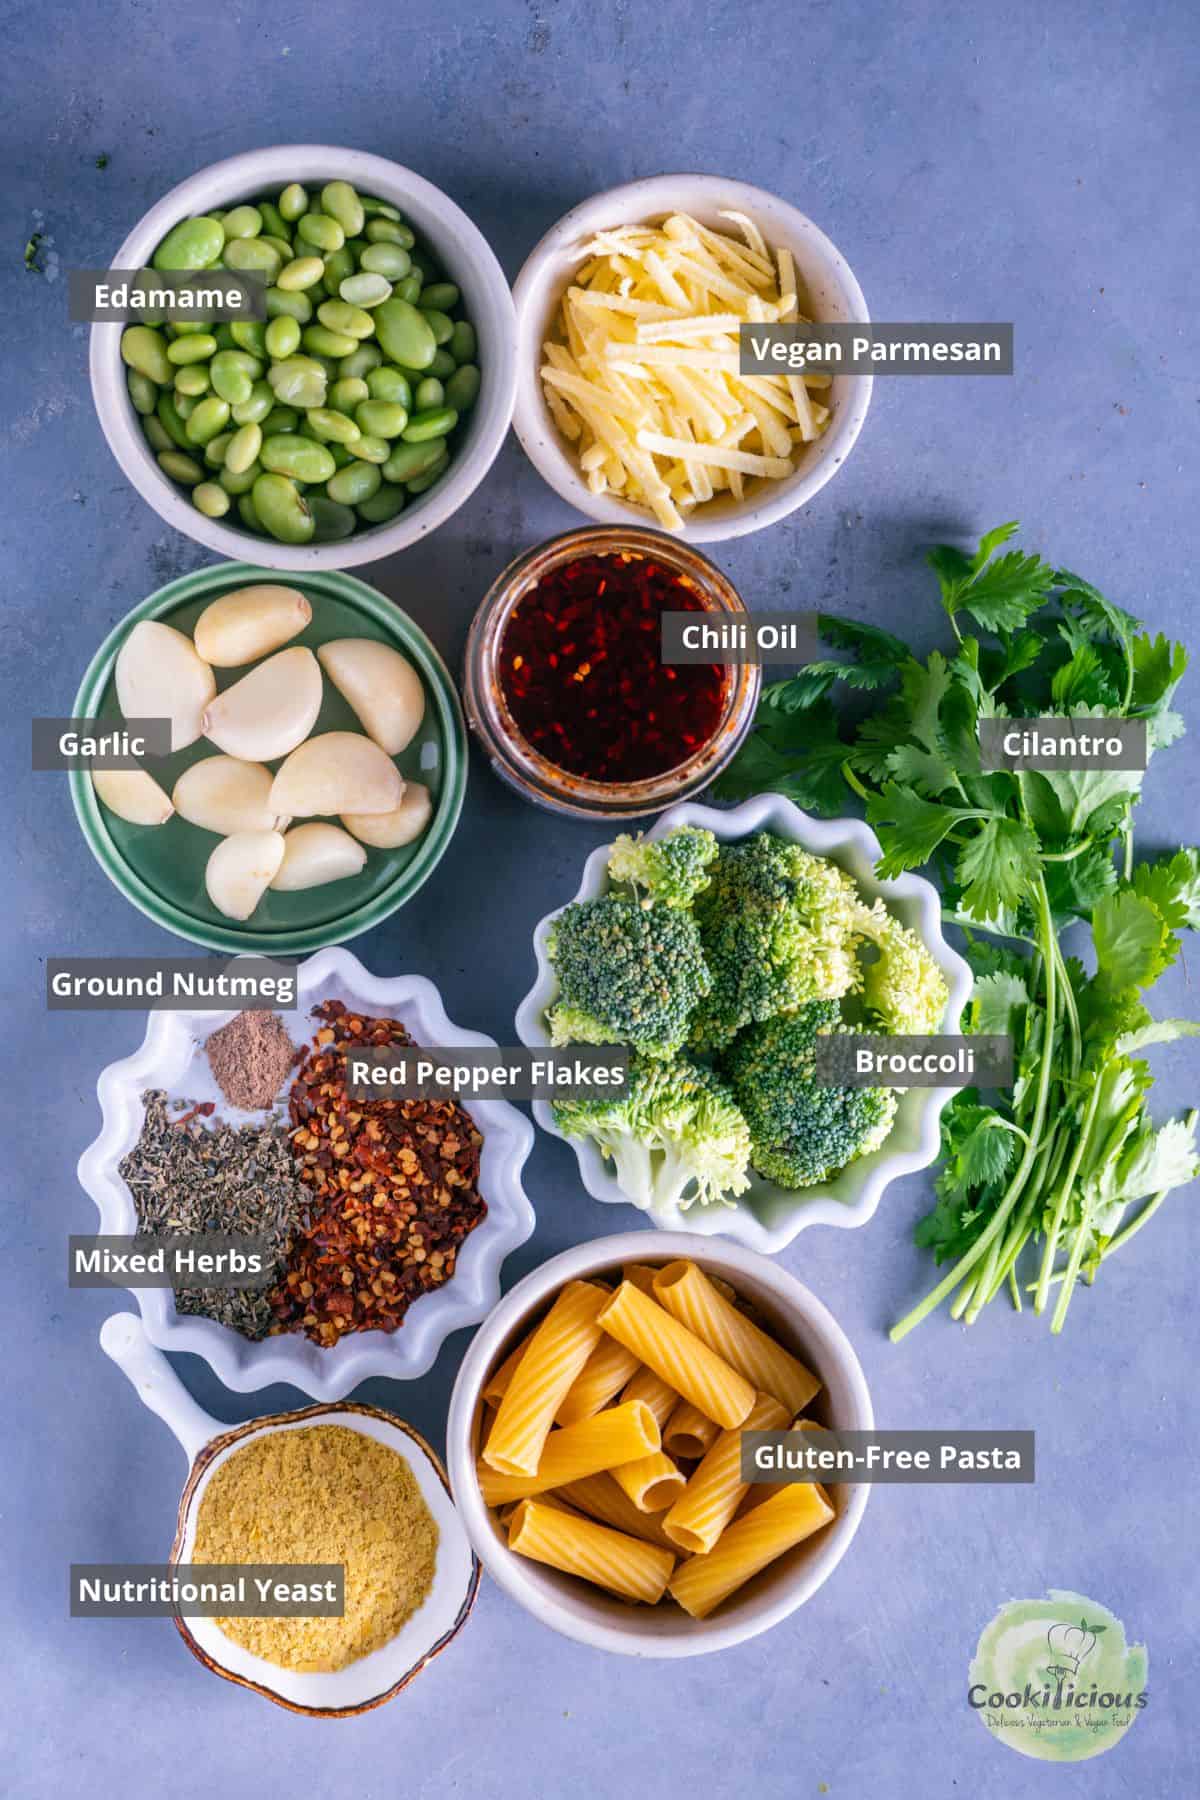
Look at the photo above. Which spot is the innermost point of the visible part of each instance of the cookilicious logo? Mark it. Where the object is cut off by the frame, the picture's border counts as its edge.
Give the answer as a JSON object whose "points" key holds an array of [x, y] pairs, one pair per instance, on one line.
{"points": [[1055, 1678]]}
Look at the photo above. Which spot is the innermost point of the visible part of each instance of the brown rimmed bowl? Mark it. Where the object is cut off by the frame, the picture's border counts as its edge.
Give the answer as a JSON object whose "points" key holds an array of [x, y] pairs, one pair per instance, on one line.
{"points": [[373, 1679]]}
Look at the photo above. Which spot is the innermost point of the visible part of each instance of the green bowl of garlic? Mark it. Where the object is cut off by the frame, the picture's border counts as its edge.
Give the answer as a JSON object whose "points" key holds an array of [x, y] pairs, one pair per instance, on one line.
{"points": [[318, 760]]}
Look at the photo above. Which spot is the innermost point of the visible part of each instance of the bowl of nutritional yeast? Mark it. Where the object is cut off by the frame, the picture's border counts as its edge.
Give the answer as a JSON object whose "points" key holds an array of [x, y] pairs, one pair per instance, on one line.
{"points": [[227, 1125]]}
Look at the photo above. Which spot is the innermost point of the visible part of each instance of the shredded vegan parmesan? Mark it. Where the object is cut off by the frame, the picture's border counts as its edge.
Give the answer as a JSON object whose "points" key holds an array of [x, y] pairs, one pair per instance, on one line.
{"points": [[322, 1494], [642, 374]]}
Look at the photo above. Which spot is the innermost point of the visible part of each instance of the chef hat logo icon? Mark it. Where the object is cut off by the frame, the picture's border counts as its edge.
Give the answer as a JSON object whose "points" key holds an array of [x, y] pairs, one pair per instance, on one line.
{"points": [[1070, 1644]]}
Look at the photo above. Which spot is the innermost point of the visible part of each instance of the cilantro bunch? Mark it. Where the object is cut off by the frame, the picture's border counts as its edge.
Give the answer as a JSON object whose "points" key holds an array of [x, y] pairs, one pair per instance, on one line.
{"points": [[1058, 1160]]}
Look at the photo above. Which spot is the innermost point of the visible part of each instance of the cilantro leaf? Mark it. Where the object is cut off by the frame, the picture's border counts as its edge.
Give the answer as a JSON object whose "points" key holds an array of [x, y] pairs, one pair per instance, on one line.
{"points": [[1158, 667], [910, 828], [1075, 888], [998, 866], [1003, 596], [1133, 942], [1158, 1031], [1173, 884], [798, 754], [997, 1003]]}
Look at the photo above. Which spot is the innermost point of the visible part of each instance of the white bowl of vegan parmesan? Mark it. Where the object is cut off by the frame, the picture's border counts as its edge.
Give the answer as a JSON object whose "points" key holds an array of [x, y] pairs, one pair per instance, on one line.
{"points": [[293, 1498], [629, 398]]}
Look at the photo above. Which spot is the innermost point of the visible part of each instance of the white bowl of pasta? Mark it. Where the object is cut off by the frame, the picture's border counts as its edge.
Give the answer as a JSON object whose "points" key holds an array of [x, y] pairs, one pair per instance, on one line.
{"points": [[594, 1436]]}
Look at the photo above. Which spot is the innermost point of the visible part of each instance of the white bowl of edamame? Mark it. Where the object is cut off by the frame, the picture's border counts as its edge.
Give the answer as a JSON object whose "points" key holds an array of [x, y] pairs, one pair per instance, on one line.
{"points": [[363, 411]]}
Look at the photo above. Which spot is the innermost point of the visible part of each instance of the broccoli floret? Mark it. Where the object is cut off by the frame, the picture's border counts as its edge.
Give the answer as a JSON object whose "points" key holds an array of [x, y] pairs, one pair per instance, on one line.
{"points": [[627, 973], [676, 1137], [802, 1133], [672, 869], [775, 923], [903, 987]]}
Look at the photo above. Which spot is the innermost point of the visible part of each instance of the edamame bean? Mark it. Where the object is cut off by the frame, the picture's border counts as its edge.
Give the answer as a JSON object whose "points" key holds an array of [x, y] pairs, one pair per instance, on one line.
{"points": [[188, 327], [462, 343], [144, 393], [378, 209], [224, 335], [242, 222], [435, 423], [405, 335], [247, 334], [172, 420], [382, 506], [214, 450], [185, 405], [247, 514], [273, 221], [442, 295], [355, 483], [254, 410], [386, 259], [288, 303], [370, 449], [390, 231], [209, 417], [180, 467], [211, 499], [340, 201], [328, 363], [331, 522], [365, 290], [429, 393], [301, 457], [348, 390], [360, 362], [192, 380], [253, 256], [281, 508], [321, 231], [440, 323], [336, 427], [243, 448], [338, 265], [423, 482], [192, 349], [293, 202], [408, 461], [241, 481], [145, 350], [381, 418], [234, 373], [298, 382], [346, 320], [340, 454], [409, 289], [156, 434], [302, 272], [462, 389], [442, 365], [387, 383], [320, 341], [282, 247], [283, 337], [193, 244], [280, 419]]}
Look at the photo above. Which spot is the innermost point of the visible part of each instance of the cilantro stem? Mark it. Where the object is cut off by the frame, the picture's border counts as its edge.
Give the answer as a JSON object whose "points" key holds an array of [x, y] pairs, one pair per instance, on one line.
{"points": [[1065, 856], [1050, 1250], [991, 1232], [851, 780]]}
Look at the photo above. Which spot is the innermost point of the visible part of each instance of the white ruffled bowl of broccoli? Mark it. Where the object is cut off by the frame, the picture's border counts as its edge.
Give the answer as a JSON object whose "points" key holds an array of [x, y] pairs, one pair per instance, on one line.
{"points": [[720, 947]]}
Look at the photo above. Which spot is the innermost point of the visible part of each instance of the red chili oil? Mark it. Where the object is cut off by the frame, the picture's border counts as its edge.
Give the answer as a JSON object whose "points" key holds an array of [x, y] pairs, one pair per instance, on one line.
{"points": [[581, 672]]}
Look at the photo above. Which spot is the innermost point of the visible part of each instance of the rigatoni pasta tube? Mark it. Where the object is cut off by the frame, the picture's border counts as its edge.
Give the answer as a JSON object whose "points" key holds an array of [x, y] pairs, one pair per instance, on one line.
{"points": [[653, 1392], [554, 1356], [688, 1433], [652, 1482], [621, 1434], [497, 1385], [700, 1514], [748, 1545], [626, 1566], [602, 1377], [687, 1293], [676, 1354], [601, 1498]]}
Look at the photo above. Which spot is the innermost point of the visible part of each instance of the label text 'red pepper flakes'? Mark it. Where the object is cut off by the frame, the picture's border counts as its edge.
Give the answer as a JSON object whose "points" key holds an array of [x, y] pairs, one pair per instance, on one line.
{"points": [[396, 1186]]}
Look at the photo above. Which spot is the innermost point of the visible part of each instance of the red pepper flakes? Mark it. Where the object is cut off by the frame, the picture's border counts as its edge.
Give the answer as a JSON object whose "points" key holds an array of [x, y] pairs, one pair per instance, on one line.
{"points": [[397, 1187], [581, 672]]}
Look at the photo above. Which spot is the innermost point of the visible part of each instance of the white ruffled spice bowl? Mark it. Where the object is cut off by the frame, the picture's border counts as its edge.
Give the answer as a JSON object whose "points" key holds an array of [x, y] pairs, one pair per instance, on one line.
{"points": [[172, 1057], [767, 1217]]}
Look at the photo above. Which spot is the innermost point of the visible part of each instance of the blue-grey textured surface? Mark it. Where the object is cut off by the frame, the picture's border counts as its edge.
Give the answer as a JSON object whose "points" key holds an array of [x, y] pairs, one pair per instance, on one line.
{"points": [[1031, 161]]}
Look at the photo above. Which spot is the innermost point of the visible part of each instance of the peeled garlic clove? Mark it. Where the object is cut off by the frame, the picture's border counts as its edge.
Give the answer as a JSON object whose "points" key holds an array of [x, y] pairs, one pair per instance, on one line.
{"points": [[382, 687], [224, 795], [160, 676], [241, 869], [133, 795], [388, 831], [270, 710], [242, 626], [316, 854], [338, 772]]}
